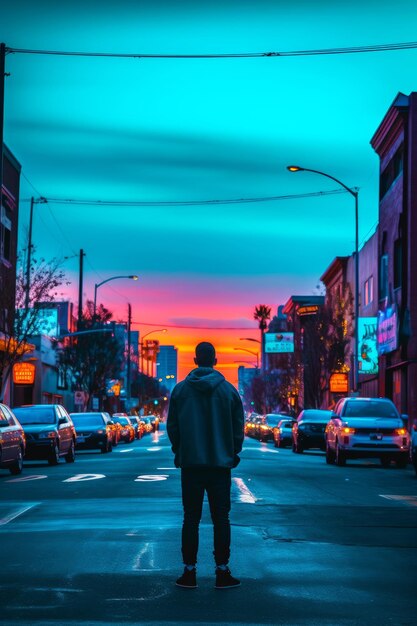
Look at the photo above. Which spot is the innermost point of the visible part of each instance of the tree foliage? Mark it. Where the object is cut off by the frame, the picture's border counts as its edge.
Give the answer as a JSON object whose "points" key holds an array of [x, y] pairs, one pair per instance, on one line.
{"points": [[91, 359], [20, 322]]}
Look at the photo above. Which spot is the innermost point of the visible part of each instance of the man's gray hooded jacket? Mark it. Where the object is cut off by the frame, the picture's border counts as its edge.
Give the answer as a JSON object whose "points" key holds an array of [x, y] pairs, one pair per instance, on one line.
{"points": [[205, 421]]}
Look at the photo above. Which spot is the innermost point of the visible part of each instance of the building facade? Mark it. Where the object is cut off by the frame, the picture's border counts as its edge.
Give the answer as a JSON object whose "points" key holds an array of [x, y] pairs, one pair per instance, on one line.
{"points": [[167, 367], [395, 142]]}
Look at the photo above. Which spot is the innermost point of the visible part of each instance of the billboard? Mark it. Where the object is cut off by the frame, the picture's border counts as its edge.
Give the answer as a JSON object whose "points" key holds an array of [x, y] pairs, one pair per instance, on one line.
{"points": [[278, 343], [339, 382], [387, 331], [368, 350]]}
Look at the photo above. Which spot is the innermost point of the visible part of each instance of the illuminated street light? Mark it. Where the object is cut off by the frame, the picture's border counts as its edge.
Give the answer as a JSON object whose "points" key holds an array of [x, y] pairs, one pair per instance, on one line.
{"points": [[355, 194], [97, 285], [157, 330]]}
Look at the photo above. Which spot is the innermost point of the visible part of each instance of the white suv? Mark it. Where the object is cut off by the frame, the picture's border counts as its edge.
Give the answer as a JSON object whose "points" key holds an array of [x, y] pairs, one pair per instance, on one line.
{"points": [[367, 427]]}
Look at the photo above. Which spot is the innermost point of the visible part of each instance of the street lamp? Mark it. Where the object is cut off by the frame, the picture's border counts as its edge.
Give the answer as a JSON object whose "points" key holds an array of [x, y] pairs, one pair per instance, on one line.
{"points": [[249, 339], [97, 285], [250, 352], [355, 194]]}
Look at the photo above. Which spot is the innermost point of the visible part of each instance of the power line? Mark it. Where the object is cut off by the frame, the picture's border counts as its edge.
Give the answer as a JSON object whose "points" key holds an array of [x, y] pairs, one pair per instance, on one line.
{"points": [[170, 203], [228, 55], [195, 327]]}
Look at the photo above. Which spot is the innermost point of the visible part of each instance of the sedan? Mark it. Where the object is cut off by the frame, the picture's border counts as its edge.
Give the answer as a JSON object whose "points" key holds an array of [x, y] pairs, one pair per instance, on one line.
{"points": [[283, 433], [264, 427], [94, 430], [309, 430], [127, 433], [137, 425], [364, 428], [49, 431], [12, 441]]}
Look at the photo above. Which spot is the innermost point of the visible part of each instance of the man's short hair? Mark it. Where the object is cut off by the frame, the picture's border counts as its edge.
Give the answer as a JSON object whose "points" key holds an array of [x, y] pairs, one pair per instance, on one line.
{"points": [[205, 354]]}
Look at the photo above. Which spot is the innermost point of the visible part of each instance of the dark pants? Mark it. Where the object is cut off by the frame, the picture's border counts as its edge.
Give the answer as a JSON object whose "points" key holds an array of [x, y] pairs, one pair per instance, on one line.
{"points": [[216, 482]]}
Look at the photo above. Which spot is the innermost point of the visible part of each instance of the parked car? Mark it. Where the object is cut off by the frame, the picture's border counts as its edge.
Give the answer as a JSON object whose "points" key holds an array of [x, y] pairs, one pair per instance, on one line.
{"points": [[115, 428], [49, 431], [138, 426], [12, 441], [127, 433], [413, 447], [309, 430], [283, 433], [265, 425], [147, 424], [367, 427], [94, 431], [250, 424]]}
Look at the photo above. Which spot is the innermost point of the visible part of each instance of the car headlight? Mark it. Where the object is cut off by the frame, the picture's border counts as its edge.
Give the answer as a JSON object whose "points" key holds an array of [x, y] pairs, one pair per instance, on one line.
{"points": [[49, 435], [100, 432], [400, 431], [348, 431]]}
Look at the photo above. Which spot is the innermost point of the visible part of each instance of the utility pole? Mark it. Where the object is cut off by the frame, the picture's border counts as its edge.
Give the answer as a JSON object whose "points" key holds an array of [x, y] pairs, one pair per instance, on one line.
{"points": [[80, 287], [2, 77], [129, 343], [29, 254]]}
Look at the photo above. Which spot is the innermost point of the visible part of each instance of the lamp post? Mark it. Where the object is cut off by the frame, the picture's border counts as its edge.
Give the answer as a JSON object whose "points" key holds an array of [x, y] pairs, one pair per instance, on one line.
{"points": [[355, 194], [157, 330], [250, 352], [97, 285]]}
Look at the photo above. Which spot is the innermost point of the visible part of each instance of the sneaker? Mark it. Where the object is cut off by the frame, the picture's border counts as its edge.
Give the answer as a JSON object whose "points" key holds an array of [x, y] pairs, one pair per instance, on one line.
{"points": [[188, 580], [225, 580]]}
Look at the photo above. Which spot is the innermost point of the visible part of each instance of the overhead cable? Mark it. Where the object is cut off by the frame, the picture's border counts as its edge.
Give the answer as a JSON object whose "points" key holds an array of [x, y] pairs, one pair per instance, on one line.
{"points": [[228, 55]]}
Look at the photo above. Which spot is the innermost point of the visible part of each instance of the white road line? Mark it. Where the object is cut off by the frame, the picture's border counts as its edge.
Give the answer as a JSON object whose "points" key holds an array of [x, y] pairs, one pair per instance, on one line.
{"points": [[26, 478], [156, 449], [245, 493], [12, 516], [166, 468], [128, 450], [411, 500]]}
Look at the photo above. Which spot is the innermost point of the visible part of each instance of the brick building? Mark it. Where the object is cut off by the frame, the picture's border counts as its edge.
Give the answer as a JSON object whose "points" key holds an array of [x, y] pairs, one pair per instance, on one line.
{"points": [[395, 142]]}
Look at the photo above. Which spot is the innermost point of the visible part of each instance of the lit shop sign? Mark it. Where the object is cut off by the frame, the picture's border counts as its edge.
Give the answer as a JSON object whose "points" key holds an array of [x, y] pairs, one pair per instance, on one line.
{"points": [[308, 310], [368, 350], [23, 373], [387, 332], [339, 382], [279, 342]]}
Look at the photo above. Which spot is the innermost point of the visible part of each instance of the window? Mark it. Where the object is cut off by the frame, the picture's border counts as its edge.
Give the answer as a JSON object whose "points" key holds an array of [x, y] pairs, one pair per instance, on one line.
{"points": [[398, 263], [383, 277], [6, 234], [391, 172], [368, 295]]}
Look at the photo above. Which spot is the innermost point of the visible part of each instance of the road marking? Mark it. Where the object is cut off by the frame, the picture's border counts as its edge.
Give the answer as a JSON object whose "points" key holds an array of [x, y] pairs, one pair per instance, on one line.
{"points": [[81, 477], [166, 468], [410, 500], [26, 478], [12, 516], [145, 554], [154, 449], [245, 493], [128, 450], [146, 478]]}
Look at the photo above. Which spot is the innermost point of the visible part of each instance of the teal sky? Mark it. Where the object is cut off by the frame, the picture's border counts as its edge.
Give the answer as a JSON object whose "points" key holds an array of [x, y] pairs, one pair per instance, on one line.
{"points": [[113, 129]]}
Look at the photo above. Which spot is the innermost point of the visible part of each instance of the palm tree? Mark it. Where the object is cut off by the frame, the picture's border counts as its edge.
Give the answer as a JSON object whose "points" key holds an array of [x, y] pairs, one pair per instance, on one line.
{"points": [[261, 314]]}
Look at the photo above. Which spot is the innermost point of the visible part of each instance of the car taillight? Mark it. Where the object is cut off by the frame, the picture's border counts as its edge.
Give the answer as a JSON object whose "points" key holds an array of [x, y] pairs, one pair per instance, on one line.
{"points": [[348, 431], [400, 431]]}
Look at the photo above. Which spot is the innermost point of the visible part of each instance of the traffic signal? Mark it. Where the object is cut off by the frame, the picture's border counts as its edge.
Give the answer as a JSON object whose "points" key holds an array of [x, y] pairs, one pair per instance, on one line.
{"points": [[156, 402]]}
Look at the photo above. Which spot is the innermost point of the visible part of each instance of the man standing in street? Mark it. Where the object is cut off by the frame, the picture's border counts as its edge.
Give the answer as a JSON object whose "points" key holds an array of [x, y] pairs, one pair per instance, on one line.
{"points": [[205, 427]]}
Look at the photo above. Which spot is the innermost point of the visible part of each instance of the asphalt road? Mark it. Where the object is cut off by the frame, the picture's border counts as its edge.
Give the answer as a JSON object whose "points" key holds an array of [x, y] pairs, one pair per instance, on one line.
{"points": [[97, 542]]}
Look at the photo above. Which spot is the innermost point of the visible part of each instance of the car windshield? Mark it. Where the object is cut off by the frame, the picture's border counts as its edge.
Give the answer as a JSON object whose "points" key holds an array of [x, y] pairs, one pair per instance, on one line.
{"points": [[122, 420], [36, 415], [316, 416], [87, 419], [370, 408], [272, 420]]}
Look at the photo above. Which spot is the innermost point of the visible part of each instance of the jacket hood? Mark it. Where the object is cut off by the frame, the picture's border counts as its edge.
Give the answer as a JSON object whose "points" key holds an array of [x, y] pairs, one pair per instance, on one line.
{"points": [[205, 379]]}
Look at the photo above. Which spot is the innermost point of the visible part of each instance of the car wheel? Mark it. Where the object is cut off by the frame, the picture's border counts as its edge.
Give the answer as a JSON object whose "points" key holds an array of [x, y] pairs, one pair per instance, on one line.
{"points": [[330, 457], [17, 465], [70, 456], [53, 458], [340, 456], [276, 444]]}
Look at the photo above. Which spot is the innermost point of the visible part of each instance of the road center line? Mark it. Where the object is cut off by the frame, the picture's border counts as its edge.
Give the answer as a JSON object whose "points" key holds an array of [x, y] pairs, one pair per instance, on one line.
{"points": [[12, 516], [410, 500], [245, 493]]}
